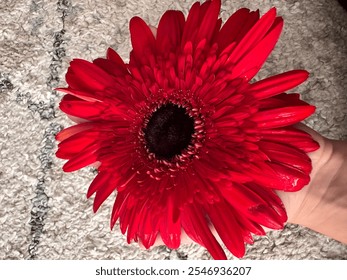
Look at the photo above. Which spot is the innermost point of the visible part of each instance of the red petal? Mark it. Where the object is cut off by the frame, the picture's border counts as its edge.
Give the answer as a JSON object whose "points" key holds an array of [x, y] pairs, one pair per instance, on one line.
{"points": [[240, 22], [76, 143], [142, 39], [120, 205], [286, 155], [290, 179], [84, 158], [252, 19], [171, 234], [99, 181], [291, 136], [169, 31], [148, 227], [196, 226], [278, 84], [250, 64], [170, 228], [209, 21], [281, 100], [110, 67], [134, 221], [192, 24], [276, 176], [84, 75], [257, 32], [77, 107], [72, 130], [259, 207], [130, 223], [87, 96], [93, 111], [114, 57], [104, 185], [127, 215], [227, 228], [251, 226], [273, 201], [292, 99], [282, 116]]}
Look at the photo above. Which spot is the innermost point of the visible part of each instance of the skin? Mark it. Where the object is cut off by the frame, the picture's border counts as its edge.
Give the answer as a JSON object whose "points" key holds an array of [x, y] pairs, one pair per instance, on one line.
{"points": [[322, 205]]}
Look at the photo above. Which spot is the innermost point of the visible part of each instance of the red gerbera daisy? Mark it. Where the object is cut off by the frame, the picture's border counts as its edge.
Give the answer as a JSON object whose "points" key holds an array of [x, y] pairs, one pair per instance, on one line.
{"points": [[181, 134]]}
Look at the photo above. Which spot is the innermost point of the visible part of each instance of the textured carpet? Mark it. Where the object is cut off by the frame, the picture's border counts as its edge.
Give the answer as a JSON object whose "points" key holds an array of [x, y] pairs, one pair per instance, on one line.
{"points": [[44, 213]]}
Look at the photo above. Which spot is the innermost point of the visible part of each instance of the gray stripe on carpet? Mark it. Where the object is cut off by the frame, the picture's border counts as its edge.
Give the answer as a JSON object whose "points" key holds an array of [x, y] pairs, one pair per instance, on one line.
{"points": [[47, 112], [40, 201]]}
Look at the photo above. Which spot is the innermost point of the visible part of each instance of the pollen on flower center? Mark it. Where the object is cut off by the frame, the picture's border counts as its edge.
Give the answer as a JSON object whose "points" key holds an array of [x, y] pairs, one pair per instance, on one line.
{"points": [[169, 131]]}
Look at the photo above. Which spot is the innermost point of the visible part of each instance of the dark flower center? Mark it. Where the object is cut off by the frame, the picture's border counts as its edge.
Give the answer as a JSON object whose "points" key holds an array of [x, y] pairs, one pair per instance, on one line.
{"points": [[169, 131]]}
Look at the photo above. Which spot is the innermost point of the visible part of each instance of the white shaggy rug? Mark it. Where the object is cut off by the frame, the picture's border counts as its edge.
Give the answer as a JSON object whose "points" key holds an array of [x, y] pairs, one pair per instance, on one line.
{"points": [[44, 213]]}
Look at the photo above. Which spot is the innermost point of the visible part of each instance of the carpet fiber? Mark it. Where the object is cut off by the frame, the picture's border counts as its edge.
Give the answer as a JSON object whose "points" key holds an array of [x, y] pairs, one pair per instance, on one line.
{"points": [[44, 212]]}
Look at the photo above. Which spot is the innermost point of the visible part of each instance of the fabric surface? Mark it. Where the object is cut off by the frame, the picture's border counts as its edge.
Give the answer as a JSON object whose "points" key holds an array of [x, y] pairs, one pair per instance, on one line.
{"points": [[44, 212]]}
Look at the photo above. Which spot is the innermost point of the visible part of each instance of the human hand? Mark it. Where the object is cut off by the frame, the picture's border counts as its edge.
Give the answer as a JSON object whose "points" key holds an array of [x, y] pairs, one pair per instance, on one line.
{"points": [[322, 204]]}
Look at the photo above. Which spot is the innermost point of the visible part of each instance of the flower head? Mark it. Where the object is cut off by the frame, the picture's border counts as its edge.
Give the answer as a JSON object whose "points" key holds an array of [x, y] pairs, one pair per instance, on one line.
{"points": [[183, 137]]}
